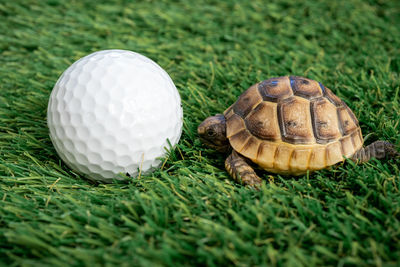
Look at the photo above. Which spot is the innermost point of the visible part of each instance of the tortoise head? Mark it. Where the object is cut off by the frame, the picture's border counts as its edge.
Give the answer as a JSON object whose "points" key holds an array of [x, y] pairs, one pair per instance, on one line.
{"points": [[212, 132]]}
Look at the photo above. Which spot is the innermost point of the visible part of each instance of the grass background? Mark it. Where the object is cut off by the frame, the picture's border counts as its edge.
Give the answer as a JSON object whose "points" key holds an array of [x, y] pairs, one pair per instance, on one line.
{"points": [[190, 212]]}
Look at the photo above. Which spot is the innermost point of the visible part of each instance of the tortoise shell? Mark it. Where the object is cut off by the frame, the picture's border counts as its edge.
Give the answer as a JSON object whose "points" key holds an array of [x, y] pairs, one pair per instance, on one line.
{"points": [[289, 125]]}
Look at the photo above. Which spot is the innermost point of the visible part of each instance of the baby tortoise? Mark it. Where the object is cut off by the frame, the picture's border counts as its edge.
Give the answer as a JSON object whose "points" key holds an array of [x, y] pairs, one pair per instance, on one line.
{"points": [[288, 125]]}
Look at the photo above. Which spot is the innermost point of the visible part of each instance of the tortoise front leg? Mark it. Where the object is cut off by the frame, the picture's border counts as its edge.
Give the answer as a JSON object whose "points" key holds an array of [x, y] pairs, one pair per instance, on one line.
{"points": [[241, 171]]}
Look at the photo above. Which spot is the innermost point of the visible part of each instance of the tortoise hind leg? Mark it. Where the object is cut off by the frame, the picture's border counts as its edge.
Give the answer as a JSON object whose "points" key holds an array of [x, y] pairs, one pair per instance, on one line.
{"points": [[378, 149], [241, 171]]}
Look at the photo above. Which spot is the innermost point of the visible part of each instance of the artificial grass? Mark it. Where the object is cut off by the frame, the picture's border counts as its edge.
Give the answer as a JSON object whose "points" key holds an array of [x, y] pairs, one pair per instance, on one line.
{"points": [[191, 212]]}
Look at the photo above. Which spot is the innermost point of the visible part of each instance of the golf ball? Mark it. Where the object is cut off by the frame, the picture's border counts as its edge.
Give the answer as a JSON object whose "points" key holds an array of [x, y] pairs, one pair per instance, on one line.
{"points": [[114, 111]]}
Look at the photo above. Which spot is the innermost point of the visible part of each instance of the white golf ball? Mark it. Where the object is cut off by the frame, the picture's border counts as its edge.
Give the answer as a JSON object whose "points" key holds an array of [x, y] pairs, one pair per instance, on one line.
{"points": [[114, 111]]}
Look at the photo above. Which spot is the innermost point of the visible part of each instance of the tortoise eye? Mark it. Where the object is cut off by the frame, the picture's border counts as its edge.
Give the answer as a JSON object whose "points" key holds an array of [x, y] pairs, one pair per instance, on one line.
{"points": [[211, 133]]}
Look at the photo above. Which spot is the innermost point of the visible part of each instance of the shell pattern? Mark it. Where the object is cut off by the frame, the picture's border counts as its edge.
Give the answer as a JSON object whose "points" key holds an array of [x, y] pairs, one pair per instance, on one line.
{"points": [[289, 125]]}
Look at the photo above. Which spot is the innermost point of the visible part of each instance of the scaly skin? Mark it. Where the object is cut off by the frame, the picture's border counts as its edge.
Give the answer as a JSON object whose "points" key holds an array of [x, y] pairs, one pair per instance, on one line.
{"points": [[241, 171], [378, 149]]}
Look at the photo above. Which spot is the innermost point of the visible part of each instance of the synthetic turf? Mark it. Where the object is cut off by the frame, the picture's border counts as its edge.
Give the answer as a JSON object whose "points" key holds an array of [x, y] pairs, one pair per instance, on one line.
{"points": [[190, 212]]}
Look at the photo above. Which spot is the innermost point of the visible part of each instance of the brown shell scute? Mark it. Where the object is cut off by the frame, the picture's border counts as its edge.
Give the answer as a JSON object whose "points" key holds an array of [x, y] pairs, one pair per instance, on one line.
{"points": [[325, 120], [236, 124], [333, 98], [275, 89], [347, 120], [306, 88], [247, 101], [292, 124], [239, 140], [261, 126], [295, 121]]}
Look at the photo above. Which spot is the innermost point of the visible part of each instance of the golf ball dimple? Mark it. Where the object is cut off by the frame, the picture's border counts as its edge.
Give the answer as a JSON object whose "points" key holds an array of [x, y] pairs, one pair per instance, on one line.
{"points": [[113, 112]]}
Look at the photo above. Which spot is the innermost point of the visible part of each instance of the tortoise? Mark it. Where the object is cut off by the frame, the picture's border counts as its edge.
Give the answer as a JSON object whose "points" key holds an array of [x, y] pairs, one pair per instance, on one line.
{"points": [[288, 125]]}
